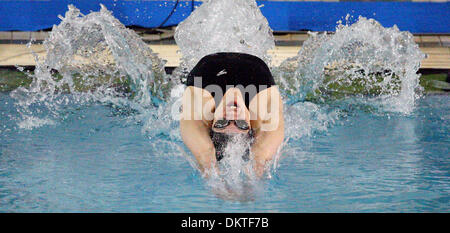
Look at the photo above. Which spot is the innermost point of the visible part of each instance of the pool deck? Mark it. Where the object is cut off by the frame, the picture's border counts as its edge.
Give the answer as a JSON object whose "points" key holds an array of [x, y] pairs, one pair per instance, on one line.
{"points": [[13, 49]]}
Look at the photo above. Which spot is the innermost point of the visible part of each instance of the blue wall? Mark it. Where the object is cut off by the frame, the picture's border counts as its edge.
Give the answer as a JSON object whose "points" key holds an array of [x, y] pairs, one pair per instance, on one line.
{"points": [[282, 16]]}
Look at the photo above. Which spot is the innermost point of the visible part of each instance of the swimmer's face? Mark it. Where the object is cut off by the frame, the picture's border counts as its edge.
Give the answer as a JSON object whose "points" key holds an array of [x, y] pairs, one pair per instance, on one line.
{"points": [[233, 109]]}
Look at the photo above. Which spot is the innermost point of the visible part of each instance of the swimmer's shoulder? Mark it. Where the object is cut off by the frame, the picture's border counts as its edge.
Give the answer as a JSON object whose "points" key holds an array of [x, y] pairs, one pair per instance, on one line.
{"points": [[265, 98], [266, 109]]}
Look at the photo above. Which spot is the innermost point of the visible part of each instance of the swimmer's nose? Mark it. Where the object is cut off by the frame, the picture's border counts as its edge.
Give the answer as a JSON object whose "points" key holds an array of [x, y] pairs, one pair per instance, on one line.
{"points": [[232, 104]]}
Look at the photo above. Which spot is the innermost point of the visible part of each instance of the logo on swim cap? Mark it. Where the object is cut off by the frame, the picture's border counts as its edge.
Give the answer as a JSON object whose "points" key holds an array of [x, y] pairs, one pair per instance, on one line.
{"points": [[222, 72]]}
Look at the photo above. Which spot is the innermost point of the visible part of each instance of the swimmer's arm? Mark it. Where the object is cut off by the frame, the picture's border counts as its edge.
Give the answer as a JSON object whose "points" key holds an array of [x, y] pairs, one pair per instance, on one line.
{"points": [[266, 145], [268, 139], [195, 133], [196, 137]]}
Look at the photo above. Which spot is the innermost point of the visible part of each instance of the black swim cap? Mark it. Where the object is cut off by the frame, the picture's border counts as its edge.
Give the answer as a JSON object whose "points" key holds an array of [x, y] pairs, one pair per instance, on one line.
{"points": [[231, 69]]}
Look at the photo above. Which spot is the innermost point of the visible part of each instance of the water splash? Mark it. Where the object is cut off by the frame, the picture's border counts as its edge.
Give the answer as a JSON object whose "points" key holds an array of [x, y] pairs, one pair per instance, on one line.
{"points": [[365, 59], [236, 179], [224, 26], [306, 118], [95, 58]]}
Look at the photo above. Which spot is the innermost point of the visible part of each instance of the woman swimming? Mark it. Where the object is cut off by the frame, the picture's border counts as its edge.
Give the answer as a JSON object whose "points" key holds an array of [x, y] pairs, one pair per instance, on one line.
{"points": [[231, 94]]}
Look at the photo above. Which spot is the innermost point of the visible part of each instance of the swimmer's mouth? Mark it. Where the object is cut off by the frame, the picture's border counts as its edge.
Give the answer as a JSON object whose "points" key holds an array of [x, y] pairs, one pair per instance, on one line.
{"points": [[233, 104]]}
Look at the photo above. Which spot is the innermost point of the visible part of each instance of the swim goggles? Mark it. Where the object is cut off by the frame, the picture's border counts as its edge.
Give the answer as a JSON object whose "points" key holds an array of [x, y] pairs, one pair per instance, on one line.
{"points": [[241, 124]]}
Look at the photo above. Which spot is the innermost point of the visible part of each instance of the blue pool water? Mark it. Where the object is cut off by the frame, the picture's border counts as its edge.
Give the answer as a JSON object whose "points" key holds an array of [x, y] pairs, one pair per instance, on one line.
{"points": [[96, 158]]}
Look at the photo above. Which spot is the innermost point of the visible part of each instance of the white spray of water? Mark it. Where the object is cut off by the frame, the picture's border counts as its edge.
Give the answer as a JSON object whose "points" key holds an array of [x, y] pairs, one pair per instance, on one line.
{"points": [[236, 179], [92, 56], [362, 58], [224, 26], [305, 118]]}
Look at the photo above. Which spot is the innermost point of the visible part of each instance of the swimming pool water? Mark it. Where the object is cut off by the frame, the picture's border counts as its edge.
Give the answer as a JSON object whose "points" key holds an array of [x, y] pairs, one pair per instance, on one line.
{"points": [[95, 159]]}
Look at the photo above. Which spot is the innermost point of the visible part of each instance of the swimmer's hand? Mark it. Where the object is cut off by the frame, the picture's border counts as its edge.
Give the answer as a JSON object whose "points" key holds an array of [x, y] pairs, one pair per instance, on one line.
{"points": [[259, 167]]}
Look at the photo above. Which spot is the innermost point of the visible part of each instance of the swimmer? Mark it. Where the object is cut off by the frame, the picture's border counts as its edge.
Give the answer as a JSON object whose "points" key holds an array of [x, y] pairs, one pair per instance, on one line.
{"points": [[231, 94]]}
